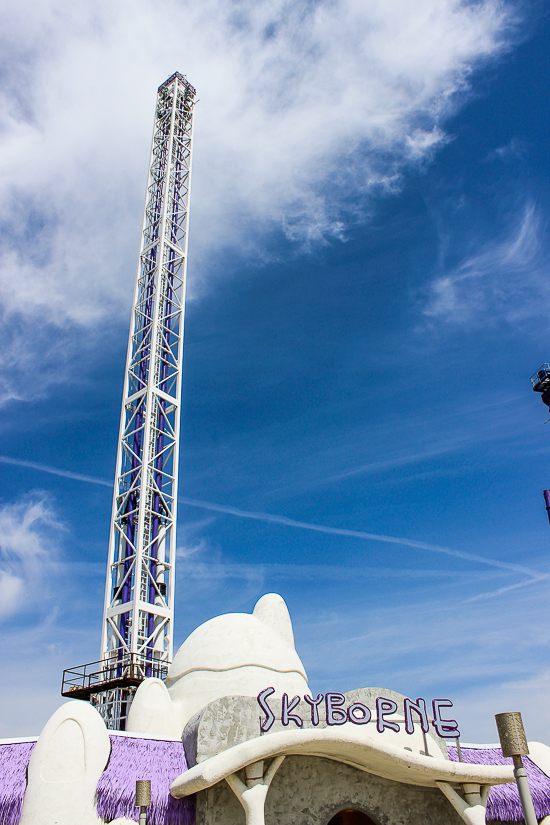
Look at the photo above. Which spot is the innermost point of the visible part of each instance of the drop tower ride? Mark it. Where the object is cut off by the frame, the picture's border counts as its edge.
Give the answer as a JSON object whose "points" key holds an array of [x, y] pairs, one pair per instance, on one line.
{"points": [[137, 635]]}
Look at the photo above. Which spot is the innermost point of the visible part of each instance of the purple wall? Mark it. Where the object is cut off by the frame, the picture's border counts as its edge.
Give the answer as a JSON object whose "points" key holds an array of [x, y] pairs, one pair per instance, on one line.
{"points": [[162, 762], [14, 759], [132, 759]]}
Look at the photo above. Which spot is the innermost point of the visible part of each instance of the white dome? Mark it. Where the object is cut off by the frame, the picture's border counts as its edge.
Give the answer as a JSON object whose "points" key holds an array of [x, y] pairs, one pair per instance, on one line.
{"points": [[233, 641], [238, 654]]}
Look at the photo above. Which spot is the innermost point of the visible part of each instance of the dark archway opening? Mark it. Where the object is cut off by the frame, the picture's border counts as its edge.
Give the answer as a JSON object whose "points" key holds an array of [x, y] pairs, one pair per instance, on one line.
{"points": [[351, 817]]}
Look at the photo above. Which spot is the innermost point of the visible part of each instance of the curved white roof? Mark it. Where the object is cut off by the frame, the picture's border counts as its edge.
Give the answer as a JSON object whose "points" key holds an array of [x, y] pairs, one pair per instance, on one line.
{"points": [[351, 747]]}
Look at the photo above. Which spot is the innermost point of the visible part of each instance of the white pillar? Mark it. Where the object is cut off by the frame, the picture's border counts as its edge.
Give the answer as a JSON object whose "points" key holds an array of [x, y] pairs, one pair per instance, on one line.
{"points": [[471, 804], [252, 795]]}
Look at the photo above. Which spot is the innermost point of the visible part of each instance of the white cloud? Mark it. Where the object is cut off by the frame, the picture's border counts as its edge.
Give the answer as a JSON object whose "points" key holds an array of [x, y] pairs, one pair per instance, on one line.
{"points": [[27, 553], [505, 280], [301, 104], [11, 589], [191, 548], [514, 150]]}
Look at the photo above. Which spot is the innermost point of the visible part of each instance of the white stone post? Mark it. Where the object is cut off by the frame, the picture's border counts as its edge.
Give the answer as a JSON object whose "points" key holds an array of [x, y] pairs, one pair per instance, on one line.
{"points": [[252, 795], [471, 804]]}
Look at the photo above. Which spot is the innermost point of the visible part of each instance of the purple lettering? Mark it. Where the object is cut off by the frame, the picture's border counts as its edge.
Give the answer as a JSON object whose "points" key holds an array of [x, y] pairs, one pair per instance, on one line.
{"points": [[420, 707], [385, 707], [364, 714], [446, 728], [287, 715], [335, 714], [314, 704], [269, 715]]}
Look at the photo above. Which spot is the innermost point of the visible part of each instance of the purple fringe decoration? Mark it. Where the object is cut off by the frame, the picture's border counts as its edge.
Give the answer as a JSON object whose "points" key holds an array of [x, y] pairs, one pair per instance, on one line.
{"points": [[163, 761], [132, 759], [14, 759], [504, 803]]}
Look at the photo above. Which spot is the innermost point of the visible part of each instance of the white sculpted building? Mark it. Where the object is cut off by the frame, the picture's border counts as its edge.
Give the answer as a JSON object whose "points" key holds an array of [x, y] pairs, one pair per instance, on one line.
{"points": [[235, 737]]}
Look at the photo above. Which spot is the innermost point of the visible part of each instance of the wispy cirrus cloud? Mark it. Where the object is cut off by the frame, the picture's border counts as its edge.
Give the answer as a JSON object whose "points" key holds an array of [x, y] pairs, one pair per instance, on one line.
{"points": [[504, 280], [27, 551], [514, 150], [301, 105]]}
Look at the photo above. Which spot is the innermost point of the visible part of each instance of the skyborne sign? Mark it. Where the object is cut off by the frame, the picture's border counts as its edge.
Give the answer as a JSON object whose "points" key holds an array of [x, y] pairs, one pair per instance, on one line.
{"points": [[333, 707]]}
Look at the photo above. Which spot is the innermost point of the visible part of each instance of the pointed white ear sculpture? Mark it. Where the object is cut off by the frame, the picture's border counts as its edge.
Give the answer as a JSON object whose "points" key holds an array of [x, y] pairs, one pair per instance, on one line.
{"points": [[70, 756], [236, 654], [272, 611], [152, 711]]}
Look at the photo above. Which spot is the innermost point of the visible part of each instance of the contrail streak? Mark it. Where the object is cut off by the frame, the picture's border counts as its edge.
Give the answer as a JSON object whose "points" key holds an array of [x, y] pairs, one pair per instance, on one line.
{"points": [[289, 522], [501, 590], [311, 572], [16, 462], [357, 534]]}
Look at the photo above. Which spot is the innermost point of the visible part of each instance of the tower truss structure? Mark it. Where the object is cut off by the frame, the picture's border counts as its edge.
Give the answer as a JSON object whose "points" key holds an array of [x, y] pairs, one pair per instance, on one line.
{"points": [[138, 615]]}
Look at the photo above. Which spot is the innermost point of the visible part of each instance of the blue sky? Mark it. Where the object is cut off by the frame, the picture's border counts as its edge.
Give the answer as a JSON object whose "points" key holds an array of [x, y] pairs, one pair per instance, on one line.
{"points": [[368, 296]]}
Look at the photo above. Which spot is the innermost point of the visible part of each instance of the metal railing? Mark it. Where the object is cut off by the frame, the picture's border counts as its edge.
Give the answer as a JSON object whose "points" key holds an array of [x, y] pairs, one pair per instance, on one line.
{"points": [[115, 672], [541, 378]]}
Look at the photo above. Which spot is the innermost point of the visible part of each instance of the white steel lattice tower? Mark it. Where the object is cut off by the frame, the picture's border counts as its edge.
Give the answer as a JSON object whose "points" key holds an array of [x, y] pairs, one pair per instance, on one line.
{"points": [[139, 596]]}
